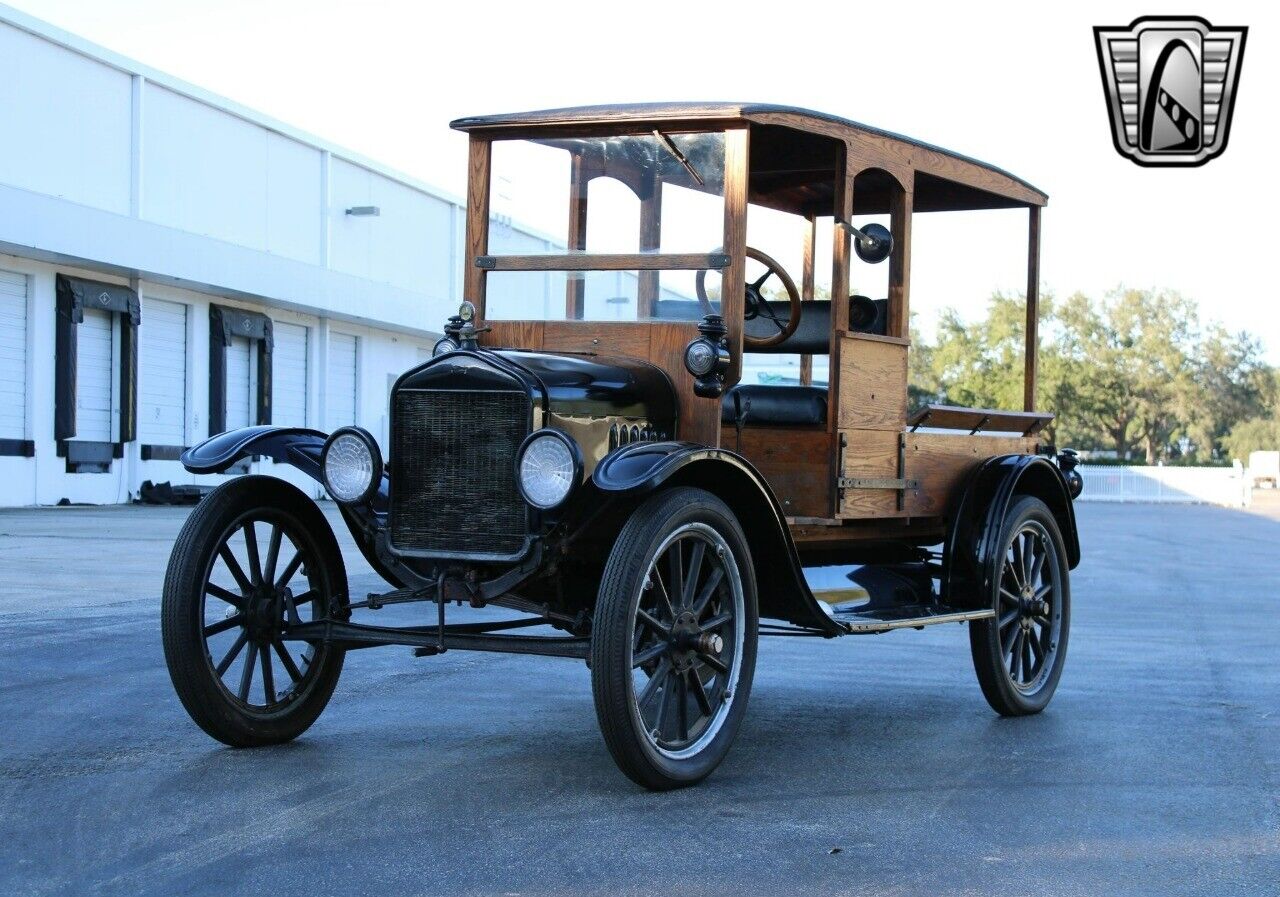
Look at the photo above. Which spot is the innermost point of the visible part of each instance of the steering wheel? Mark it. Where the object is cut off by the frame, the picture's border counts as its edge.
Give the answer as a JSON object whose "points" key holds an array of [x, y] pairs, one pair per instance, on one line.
{"points": [[756, 306]]}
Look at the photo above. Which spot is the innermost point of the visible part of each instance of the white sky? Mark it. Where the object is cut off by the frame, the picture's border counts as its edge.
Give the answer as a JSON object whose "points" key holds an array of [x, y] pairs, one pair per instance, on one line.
{"points": [[1015, 84]]}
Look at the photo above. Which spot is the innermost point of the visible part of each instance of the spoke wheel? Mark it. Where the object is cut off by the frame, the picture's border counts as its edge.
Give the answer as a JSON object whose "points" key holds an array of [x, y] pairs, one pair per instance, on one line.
{"points": [[1018, 654], [686, 652], [675, 637], [254, 555]]}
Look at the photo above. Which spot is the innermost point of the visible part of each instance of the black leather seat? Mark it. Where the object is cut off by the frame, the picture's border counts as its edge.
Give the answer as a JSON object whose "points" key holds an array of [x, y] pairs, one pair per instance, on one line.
{"points": [[774, 406]]}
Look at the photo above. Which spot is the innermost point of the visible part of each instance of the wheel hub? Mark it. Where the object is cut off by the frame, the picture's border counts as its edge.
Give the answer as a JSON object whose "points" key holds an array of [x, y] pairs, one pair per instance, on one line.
{"points": [[685, 636], [263, 615]]}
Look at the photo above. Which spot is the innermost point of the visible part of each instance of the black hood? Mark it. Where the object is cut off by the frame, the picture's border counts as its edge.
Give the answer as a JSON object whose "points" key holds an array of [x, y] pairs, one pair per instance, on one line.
{"points": [[571, 384]]}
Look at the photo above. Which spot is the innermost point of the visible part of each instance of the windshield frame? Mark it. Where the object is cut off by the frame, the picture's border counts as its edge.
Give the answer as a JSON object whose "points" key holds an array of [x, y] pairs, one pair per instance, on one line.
{"points": [[730, 260]]}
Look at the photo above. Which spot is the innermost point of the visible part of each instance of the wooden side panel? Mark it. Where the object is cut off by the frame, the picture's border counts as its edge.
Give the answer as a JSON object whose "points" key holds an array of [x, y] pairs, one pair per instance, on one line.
{"points": [[604, 338], [699, 419], [873, 384], [514, 334], [939, 462], [795, 463], [869, 453]]}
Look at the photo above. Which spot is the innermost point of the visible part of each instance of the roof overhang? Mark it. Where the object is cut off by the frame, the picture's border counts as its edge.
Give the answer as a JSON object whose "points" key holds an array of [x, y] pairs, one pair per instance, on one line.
{"points": [[951, 180]]}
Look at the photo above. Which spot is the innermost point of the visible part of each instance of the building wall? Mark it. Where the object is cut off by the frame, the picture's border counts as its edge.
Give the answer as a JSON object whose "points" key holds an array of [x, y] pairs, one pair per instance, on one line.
{"points": [[43, 479], [112, 171]]}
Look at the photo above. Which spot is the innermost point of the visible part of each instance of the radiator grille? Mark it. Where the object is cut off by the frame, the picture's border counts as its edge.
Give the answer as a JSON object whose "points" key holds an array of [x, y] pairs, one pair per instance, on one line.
{"points": [[454, 485]]}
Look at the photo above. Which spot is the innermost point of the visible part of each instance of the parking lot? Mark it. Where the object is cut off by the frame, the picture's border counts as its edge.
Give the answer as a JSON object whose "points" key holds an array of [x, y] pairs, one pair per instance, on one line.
{"points": [[866, 765]]}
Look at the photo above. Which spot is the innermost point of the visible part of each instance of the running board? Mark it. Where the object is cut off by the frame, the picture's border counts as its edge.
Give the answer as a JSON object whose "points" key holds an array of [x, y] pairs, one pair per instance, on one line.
{"points": [[886, 619]]}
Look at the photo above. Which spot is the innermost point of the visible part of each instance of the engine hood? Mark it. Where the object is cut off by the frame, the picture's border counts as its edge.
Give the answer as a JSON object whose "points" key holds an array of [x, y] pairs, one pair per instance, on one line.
{"points": [[600, 386], [572, 384]]}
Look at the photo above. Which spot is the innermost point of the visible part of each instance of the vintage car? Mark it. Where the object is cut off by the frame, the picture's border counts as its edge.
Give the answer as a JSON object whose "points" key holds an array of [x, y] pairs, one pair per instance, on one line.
{"points": [[579, 449]]}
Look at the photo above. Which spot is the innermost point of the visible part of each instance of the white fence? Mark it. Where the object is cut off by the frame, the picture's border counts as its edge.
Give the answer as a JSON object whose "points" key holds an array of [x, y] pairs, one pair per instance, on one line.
{"points": [[1170, 485]]}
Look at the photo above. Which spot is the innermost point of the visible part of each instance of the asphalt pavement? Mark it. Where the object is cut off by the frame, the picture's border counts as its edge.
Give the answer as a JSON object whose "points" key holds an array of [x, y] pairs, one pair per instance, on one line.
{"points": [[866, 765]]}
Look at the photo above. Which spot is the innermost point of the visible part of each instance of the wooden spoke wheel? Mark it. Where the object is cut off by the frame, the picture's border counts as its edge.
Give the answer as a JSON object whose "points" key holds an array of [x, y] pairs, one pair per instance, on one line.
{"points": [[254, 554], [1018, 654], [674, 645]]}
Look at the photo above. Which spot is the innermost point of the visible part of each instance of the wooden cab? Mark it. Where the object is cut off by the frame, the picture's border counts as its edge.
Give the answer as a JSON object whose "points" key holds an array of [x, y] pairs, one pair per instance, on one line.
{"points": [[643, 200]]}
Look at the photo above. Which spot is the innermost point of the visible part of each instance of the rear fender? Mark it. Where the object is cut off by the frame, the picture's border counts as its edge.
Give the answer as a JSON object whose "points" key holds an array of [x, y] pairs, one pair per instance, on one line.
{"points": [[635, 471], [973, 533]]}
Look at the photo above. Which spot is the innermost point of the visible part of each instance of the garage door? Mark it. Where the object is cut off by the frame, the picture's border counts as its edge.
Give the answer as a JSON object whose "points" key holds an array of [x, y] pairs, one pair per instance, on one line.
{"points": [[93, 377], [241, 383], [289, 375], [340, 400], [13, 355], [162, 387]]}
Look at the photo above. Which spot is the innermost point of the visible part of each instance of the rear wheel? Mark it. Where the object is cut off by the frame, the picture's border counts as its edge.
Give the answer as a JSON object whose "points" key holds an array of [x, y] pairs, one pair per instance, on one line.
{"points": [[254, 553], [673, 649], [1018, 654]]}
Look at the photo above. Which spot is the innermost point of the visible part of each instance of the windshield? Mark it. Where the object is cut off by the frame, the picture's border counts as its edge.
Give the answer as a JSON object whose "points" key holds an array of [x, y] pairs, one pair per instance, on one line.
{"points": [[657, 195]]}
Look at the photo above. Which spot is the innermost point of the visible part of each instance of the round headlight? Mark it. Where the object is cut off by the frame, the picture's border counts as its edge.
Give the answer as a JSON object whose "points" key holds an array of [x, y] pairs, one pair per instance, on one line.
{"points": [[443, 346], [351, 464], [548, 468]]}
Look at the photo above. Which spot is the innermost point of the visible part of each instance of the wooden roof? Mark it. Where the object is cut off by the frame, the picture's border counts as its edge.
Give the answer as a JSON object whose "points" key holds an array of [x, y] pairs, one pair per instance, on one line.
{"points": [[793, 174]]}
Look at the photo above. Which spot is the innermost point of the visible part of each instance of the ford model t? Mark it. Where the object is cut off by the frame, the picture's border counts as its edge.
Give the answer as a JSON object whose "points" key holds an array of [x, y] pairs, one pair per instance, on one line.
{"points": [[583, 450]]}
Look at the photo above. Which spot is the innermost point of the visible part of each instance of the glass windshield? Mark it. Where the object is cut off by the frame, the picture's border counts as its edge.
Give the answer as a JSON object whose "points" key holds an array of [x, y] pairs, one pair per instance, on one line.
{"points": [[659, 194], [654, 192]]}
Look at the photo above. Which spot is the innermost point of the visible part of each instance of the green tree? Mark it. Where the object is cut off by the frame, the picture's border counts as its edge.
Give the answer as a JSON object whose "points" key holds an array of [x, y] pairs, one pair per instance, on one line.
{"points": [[1133, 373], [1233, 384], [1256, 435]]}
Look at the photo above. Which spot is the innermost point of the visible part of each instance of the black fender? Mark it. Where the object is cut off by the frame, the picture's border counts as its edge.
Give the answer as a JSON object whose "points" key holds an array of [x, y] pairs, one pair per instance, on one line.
{"points": [[973, 529], [636, 470], [300, 447]]}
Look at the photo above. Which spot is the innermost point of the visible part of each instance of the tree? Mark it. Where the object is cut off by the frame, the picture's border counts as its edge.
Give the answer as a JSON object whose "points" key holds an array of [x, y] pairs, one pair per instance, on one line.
{"points": [[1133, 373], [1232, 385], [1257, 435]]}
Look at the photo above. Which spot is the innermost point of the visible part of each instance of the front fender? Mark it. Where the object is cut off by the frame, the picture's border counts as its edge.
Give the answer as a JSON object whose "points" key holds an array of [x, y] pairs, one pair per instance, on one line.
{"points": [[298, 446], [973, 531], [641, 468]]}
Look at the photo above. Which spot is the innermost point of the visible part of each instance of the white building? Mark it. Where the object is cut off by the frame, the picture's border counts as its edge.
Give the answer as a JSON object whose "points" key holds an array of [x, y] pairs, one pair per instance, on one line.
{"points": [[172, 264]]}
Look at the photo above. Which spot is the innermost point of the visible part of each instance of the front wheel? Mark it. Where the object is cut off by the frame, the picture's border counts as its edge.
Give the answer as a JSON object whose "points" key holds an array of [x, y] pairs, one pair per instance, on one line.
{"points": [[1018, 654], [254, 554], [673, 650]]}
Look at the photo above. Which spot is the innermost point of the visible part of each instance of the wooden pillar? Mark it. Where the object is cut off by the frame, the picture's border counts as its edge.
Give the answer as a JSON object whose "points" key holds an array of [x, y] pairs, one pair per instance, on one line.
{"points": [[899, 323], [840, 248], [650, 241], [577, 237], [1033, 311], [733, 278], [807, 287], [479, 159]]}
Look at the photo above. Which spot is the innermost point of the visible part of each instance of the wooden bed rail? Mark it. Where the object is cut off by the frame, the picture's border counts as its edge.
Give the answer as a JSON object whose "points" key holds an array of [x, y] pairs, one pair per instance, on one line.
{"points": [[975, 420]]}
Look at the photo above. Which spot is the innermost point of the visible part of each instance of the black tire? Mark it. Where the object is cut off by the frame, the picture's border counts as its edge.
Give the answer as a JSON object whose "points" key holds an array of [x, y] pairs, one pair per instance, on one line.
{"points": [[1019, 653], [692, 654], [254, 606]]}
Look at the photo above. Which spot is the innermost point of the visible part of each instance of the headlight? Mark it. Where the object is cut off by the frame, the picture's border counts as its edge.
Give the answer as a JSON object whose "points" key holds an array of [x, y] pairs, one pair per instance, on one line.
{"points": [[548, 468], [443, 346], [351, 464]]}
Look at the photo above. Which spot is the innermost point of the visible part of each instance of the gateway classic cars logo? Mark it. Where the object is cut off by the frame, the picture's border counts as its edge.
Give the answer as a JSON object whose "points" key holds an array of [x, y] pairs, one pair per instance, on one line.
{"points": [[1170, 83]]}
